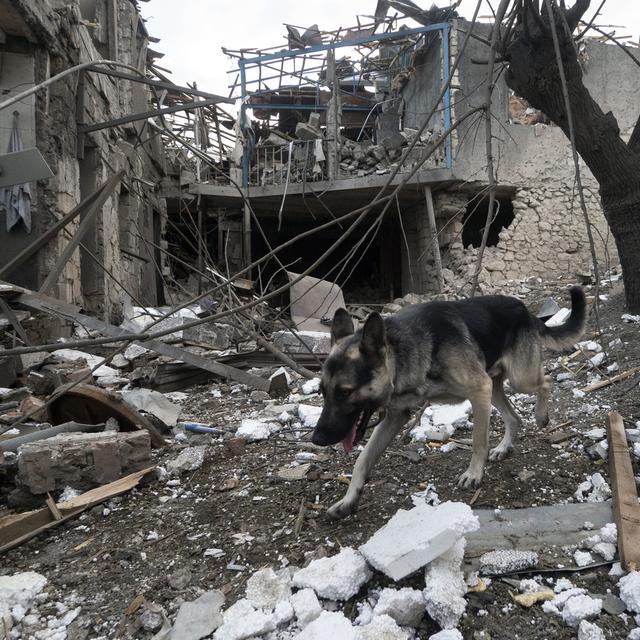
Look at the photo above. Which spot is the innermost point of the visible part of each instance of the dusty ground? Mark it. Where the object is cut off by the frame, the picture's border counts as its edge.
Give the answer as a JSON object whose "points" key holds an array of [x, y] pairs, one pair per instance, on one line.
{"points": [[238, 504]]}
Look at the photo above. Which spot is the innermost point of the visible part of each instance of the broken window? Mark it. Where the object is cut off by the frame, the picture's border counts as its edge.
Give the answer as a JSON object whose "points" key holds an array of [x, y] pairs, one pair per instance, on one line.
{"points": [[520, 112], [125, 216], [475, 218]]}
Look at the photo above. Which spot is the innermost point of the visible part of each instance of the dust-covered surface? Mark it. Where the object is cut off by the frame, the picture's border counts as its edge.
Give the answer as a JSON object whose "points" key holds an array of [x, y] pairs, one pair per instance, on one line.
{"points": [[187, 533]]}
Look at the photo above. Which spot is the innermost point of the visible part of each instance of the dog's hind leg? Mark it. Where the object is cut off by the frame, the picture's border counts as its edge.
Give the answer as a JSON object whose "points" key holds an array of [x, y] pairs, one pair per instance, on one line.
{"points": [[511, 420], [480, 398], [542, 400], [382, 435]]}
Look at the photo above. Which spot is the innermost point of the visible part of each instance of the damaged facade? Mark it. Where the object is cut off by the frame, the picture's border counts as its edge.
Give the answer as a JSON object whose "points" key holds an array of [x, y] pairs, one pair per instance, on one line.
{"points": [[119, 261], [329, 119]]}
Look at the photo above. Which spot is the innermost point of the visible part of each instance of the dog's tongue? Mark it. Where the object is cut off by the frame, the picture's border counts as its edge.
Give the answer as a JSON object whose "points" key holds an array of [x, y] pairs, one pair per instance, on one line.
{"points": [[347, 443]]}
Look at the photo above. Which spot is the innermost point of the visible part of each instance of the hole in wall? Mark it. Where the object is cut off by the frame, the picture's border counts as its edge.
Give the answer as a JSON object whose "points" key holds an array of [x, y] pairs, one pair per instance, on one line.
{"points": [[476, 216]]}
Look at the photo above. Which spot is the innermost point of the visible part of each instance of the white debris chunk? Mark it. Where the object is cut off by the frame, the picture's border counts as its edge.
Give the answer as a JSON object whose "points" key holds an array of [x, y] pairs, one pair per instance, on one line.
{"points": [[311, 386], [280, 371], [628, 317], [21, 589], [597, 433], [439, 421], [616, 570], [563, 584], [445, 587], [583, 558], [447, 634], [412, 539], [405, 606], [282, 613], [503, 561], [154, 403], [382, 628], [306, 606], [605, 549], [580, 608], [242, 621], [634, 634], [597, 360], [609, 533], [595, 489], [629, 586], [200, 618], [92, 361], [336, 578], [590, 631], [188, 459], [265, 589], [330, 624], [558, 318], [253, 430], [309, 414]]}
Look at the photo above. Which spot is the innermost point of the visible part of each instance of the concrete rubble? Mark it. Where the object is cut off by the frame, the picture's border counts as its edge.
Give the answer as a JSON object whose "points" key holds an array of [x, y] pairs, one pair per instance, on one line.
{"points": [[412, 539]]}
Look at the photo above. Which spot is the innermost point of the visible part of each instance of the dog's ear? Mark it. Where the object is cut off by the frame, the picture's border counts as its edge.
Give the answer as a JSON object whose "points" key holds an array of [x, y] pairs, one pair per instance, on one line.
{"points": [[342, 325], [374, 336]]}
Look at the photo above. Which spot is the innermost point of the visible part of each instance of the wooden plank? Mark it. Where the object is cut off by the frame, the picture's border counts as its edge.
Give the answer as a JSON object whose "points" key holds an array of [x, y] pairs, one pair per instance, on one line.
{"points": [[18, 528], [605, 383], [53, 507], [58, 308], [625, 496]]}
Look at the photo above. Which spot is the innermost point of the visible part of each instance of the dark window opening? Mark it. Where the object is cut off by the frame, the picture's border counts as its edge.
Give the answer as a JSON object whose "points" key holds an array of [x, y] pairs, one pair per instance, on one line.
{"points": [[475, 218], [371, 274]]}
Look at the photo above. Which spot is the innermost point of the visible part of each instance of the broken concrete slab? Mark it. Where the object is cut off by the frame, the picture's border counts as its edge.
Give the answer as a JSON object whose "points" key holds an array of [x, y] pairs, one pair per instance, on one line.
{"points": [[21, 588], [200, 618], [241, 621], [336, 578], [265, 589], [314, 341], [154, 403], [188, 459], [215, 335], [81, 460], [534, 527], [412, 539]]}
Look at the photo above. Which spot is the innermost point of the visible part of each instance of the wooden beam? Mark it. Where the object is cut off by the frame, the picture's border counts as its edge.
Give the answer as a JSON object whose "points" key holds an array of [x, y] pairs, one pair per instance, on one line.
{"points": [[625, 497]]}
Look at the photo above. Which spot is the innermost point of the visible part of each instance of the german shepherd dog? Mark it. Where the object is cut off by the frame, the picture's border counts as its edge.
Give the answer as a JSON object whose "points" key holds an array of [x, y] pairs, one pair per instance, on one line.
{"points": [[436, 352]]}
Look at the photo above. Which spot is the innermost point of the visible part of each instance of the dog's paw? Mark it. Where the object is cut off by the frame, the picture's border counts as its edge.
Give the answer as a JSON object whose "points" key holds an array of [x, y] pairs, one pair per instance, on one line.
{"points": [[341, 509], [542, 421], [500, 452], [470, 479]]}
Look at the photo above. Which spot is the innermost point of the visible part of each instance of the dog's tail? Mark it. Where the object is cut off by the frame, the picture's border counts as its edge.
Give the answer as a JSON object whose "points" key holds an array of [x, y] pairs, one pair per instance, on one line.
{"points": [[571, 331]]}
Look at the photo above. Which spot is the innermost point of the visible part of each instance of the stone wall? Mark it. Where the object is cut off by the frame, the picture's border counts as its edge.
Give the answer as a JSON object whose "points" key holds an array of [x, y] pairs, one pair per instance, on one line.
{"points": [[116, 266]]}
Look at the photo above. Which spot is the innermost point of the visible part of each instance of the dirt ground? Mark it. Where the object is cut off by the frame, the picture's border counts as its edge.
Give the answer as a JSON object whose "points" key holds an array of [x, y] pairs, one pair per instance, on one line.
{"points": [[236, 502]]}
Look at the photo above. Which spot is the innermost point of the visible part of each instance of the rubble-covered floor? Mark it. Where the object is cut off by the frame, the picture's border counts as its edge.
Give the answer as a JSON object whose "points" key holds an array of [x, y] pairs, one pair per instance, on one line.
{"points": [[184, 534]]}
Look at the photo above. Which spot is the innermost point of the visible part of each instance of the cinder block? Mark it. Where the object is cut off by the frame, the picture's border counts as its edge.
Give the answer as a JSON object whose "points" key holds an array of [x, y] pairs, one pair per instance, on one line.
{"points": [[81, 460]]}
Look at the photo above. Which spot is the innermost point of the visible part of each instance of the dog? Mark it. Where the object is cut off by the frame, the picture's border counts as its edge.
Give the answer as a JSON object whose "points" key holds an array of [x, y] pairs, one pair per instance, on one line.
{"points": [[436, 352]]}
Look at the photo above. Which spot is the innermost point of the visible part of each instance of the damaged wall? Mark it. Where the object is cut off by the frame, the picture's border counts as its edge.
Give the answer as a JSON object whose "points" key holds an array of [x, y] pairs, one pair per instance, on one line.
{"points": [[133, 216], [547, 235]]}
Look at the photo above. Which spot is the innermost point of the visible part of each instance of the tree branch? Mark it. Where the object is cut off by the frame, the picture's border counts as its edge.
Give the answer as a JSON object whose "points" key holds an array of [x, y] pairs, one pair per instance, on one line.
{"points": [[574, 15]]}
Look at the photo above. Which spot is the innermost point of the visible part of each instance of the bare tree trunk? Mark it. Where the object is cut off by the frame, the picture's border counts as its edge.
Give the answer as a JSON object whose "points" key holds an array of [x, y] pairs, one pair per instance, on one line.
{"points": [[533, 74]]}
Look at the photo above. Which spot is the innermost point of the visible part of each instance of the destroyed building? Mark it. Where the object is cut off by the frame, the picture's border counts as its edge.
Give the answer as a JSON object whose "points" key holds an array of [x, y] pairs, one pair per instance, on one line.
{"points": [[91, 126], [326, 123]]}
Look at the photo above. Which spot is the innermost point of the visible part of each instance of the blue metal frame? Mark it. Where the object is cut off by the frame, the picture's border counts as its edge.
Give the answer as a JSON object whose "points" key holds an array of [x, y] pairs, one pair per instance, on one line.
{"points": [[243, 63]]}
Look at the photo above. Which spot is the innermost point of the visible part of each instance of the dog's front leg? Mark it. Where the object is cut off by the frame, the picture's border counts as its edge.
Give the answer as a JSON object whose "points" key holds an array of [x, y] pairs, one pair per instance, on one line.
{"points": [[382, 435]]}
